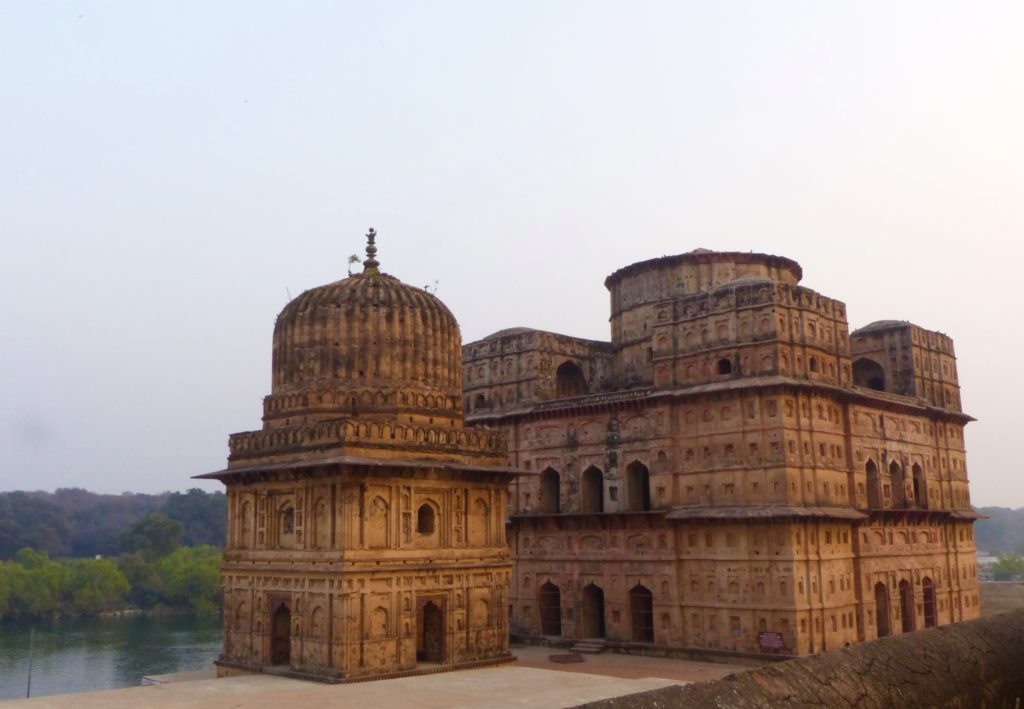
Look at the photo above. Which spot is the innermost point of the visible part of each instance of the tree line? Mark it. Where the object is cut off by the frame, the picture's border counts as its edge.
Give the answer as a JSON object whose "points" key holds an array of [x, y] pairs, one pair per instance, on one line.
{"points": [[1002, 532], [73, 552], [72, 522], [154, 571]]}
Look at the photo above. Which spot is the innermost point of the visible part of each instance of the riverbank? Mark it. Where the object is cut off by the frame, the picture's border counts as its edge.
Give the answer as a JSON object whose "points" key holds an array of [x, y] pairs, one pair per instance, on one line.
{"points": [[88, 654]]}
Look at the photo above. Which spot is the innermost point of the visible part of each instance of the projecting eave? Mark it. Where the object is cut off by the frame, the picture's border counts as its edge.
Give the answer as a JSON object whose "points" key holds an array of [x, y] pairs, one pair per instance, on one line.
{"points": [[232, 474], [764, 512], [860, 395]]}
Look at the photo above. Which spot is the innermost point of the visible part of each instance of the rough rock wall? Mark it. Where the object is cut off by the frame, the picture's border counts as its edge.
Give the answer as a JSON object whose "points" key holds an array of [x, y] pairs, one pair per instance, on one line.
{"points": [[974, 664]]}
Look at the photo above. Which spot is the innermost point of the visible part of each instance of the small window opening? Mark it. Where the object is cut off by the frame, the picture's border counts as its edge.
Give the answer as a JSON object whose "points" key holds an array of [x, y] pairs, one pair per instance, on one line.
{"points": [[425, 520]]}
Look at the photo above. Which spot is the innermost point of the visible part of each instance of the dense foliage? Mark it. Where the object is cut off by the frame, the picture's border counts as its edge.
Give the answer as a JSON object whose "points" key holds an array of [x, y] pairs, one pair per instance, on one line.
{"points": [[1002, 532], [1010, 567], [72, 522], [34, 585], [74, 552]]}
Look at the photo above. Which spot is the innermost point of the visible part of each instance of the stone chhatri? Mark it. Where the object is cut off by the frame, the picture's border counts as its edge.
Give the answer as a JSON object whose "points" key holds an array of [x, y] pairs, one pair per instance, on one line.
{"points": [[366, 522]]}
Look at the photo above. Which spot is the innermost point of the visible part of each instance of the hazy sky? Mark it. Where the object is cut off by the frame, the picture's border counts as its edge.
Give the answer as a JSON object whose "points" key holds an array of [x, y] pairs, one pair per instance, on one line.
{"points": [[170, 172]]}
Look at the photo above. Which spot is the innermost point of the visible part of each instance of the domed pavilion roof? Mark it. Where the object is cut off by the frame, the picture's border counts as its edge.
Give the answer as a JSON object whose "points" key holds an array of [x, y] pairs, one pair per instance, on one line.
{"points": [[367, 345]]}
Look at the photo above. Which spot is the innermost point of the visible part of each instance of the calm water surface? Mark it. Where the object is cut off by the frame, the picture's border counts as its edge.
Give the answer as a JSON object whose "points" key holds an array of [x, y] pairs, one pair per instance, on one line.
{"points": [[79, 655]]}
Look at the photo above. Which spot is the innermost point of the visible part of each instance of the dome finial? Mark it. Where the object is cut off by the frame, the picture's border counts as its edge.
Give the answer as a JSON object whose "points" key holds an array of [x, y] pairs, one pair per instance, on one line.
{"points": [[370, 264]]}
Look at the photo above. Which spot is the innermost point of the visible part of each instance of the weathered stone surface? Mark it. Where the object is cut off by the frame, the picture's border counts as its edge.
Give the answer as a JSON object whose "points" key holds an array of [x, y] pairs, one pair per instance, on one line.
{"points": [[978, 663], [366, 524], [733, 472]]}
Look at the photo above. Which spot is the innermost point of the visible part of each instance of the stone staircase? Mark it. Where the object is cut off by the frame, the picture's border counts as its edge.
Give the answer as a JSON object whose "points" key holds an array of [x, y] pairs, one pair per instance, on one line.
{"points": [[589, 646]]}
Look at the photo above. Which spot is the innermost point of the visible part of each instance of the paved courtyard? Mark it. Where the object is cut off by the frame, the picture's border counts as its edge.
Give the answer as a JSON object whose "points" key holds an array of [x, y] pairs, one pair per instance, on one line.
{"points": [[534, 681]]}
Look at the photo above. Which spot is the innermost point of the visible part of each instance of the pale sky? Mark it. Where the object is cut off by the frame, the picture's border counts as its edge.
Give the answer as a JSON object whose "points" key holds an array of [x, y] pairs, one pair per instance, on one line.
{"points": [[171, 171]]}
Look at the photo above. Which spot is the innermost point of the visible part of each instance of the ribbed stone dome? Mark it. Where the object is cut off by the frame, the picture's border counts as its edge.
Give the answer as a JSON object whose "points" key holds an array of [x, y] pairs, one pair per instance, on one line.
{"points": [[367, 345]]}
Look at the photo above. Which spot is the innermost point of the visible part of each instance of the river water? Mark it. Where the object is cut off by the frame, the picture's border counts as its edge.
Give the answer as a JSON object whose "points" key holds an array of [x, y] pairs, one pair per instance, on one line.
{"points": [[79, 655]]}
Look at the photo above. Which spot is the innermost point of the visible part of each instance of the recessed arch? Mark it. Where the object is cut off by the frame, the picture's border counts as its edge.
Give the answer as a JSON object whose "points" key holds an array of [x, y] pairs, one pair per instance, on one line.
{"points": [[550, 491], [549, 599], [920, 486], [874, 485], [928, 591], [638, 487], [281, 636], [899, 487], [569, 380], [907, 606], [641, 611], [869, 374], [426, 519], [593, 612], [592, 490], [882, 623]]}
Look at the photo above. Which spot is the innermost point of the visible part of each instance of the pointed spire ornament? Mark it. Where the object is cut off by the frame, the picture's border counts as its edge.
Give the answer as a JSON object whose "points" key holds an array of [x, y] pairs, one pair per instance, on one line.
{"points": [[370, 265]]}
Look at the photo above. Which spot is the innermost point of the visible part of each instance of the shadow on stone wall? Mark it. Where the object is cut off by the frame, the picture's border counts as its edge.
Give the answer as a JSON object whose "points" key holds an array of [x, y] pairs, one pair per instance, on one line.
{"points": [[979, 663]]}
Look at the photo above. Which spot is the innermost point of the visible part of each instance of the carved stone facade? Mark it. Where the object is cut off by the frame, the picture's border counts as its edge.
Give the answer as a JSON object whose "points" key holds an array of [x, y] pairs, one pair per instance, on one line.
{"points": [[366, 525], [734, 471]]}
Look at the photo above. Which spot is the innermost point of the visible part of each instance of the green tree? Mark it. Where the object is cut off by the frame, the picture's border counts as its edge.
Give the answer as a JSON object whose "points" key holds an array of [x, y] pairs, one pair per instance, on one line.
{"points": [[153, 536], [96, 585], [5, 590], [1008, 567], [190, 578], [38, 584], [204, 516], [146, 586]]}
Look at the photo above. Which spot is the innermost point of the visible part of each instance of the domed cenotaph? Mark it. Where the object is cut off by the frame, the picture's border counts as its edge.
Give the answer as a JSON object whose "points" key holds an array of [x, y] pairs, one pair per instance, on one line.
{"points": [[366, 524]]}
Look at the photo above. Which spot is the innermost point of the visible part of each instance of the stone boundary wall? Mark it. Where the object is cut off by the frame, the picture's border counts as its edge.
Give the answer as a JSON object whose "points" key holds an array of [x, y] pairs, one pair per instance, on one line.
{"points": [[978, 663]]}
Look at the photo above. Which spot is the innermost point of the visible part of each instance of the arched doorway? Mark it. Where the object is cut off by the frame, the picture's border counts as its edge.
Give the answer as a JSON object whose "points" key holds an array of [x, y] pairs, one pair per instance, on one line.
{"points": [[928, 590], [907, 606], [549, 598], [882, 610], [593, 612], [592, 492], [641, 610], [430, 639], [550, 491], [638, 487], [281, 636], [874, 486]]}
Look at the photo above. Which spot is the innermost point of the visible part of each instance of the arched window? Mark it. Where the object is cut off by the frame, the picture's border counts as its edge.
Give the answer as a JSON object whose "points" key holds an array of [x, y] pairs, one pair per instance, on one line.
{"points": [[882, 609], [641, 609], [480, 402], [928, 590], [812, 364], [869, 373], [550, 490], [425, 519], [874, 486], [899, 487], [569, 380], [592, 492], [638, 487], [286, 525], [725, 366], [920, 487], [907, 606]]}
